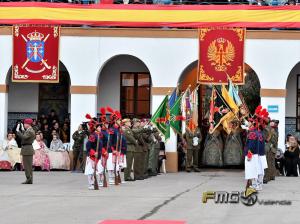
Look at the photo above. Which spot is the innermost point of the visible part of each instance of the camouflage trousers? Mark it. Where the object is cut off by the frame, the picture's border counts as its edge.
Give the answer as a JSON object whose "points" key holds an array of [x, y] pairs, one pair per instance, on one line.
{"points": [[270, 172]]}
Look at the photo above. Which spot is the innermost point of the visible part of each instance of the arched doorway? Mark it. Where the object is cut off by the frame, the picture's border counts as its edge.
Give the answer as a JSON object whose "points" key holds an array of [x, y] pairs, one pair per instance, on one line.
{"points": [[34, 99], [250, 92], [125, 84], [292, 103]]}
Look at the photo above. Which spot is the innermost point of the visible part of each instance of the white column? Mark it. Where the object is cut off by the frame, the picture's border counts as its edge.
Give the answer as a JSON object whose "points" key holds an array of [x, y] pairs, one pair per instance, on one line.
{"points": [[3, 115], [280, 115], [81, 104]]}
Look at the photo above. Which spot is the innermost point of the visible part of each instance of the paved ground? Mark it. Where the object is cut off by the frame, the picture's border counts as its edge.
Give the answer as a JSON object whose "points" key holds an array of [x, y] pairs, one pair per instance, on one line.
{"points": [[62, 197]]}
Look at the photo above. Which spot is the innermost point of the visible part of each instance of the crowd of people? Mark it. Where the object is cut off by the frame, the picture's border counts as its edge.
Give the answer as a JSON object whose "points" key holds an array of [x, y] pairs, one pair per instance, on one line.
{"points": [[131, 145], [50, 145]]}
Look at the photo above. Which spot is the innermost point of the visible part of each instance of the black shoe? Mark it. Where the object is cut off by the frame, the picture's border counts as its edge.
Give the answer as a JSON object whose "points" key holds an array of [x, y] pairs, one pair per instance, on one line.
{"points": [[265, 181], [129, 179], [151, 174], [27, 182], [139, 178], [197, 170], [188, 170]]}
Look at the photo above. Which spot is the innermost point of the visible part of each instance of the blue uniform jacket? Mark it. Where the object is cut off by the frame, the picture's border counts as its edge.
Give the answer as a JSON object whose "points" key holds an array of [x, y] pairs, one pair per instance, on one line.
{"points": [[252, 143]]}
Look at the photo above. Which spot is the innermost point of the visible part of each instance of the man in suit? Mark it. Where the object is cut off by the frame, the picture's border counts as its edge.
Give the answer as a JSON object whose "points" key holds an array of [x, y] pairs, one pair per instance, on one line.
{"points": [[27, 135]]}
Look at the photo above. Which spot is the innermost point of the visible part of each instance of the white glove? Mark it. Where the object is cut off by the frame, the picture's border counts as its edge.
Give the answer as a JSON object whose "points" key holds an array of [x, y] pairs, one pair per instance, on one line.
{"points": [[18, 128], [22, 127], [244, 127]]}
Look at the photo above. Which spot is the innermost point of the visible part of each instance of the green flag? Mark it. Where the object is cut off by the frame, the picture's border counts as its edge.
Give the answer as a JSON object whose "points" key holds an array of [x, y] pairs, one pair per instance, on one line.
{"points": [[175, 116], [161, 118]]}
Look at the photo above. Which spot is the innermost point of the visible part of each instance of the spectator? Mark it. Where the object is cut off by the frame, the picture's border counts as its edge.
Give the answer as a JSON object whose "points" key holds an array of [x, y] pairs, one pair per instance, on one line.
{"points": [[40, 157], [47, 135], [59, 157], [35, 126], [56, 128], [291, 156], [53, 116], [10, 146], [65, 133]]}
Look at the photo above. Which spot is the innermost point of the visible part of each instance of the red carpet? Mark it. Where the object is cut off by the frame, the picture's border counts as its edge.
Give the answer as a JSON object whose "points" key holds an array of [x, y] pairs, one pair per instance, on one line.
{"points": [[141, 222]]}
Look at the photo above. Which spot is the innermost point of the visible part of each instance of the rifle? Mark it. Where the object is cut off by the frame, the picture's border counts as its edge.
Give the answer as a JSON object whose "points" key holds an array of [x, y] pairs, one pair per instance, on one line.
{"points": [[116, 159], [119, 176], [104, 163], [96, 187]]}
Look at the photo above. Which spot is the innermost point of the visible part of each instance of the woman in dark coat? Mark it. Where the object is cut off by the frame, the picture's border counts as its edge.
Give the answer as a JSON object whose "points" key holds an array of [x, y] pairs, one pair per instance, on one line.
{"points": [[291, 156]]}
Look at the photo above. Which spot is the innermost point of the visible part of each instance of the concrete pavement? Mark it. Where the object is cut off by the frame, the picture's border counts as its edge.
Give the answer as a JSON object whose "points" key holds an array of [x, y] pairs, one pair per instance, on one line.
{"points": [[63, 197]]}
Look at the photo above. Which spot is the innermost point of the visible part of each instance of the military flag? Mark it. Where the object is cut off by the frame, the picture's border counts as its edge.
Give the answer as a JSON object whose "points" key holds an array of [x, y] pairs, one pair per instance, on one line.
{"points": [[185, 108], [220, 111], [229, 100], [175, 116], [161, 118], [193, 123], [233, 92], [173, 97]]}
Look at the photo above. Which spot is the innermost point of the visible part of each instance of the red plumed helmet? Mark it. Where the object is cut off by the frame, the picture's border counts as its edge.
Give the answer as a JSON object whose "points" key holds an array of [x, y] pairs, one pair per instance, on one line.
{"points": [[88, 116], [102, 111], [109, 109], [258, 110], [118, 114]]}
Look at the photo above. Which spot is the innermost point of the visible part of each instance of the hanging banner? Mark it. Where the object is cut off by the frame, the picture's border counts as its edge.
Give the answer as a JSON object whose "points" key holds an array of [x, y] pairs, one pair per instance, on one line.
{"points": [[221, 54], [35, 54], [144, 15]]}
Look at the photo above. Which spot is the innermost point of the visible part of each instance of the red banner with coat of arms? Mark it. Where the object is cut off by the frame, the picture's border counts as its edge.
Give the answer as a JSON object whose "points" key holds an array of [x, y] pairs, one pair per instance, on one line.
{"points": [[221, 54], [35, 54]]}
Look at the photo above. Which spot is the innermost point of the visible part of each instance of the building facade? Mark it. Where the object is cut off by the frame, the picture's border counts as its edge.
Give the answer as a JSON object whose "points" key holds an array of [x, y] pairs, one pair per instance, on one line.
{"points": [[103, 67]]}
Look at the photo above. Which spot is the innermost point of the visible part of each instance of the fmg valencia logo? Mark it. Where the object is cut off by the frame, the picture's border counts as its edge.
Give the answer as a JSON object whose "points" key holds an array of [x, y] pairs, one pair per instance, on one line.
{"points": [[248, 198]]}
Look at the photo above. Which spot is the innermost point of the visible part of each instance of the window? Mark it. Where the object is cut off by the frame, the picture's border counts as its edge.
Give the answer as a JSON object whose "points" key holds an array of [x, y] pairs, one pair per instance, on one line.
{"points": [[135, 94]]}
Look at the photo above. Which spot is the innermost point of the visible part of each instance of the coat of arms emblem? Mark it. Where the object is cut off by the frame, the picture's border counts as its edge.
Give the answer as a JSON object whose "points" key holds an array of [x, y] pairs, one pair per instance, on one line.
{"points": [[35, 49], [220, 53]]}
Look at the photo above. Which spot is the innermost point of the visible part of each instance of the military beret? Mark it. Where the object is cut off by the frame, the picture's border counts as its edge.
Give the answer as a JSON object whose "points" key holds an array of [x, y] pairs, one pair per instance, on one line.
{"points": [[126, 120], [28, 121], [136, 120]]}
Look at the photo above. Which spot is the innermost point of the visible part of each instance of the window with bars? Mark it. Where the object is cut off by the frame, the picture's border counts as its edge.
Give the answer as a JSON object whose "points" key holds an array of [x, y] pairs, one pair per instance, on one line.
{"points": [[135, 94]]}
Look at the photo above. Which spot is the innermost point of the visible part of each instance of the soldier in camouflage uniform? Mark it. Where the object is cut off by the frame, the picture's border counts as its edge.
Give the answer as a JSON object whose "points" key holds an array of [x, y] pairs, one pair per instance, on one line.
{"points": [[193, 140], [270, 148], [139, 154], [78, 137], [154, 152], [131, 145]]}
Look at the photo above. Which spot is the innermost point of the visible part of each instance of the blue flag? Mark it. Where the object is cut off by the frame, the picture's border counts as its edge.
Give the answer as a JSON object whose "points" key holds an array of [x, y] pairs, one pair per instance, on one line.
{"points": [[233, 92], [173, 98]]}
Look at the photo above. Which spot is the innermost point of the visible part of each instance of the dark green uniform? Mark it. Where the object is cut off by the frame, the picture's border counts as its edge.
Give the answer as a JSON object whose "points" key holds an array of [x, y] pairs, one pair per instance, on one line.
{"points": [[131, 145], [139, 154], [149, 141], [154, 153], [78, 138], [270, 149], [27, 137], [193, 140]]}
